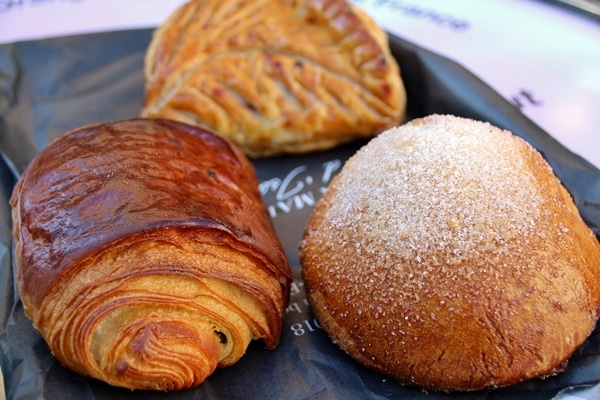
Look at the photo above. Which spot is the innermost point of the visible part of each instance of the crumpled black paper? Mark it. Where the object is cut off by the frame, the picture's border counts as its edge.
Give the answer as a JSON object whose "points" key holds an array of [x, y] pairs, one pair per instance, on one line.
{"points": [[51, 86]]}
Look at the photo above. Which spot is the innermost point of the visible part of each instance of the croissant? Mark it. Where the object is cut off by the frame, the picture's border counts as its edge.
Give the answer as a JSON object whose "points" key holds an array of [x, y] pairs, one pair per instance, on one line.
{"points": [[274, 76], [144, 253]]}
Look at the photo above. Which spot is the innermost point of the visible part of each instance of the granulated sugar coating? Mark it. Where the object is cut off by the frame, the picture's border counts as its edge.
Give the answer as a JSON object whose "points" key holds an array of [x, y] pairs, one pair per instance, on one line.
{"points": [[446, 254]]}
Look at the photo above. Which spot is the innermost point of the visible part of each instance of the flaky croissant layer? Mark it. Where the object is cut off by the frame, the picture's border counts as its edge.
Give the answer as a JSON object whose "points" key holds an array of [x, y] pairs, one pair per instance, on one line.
{"points": [[144, 254]]}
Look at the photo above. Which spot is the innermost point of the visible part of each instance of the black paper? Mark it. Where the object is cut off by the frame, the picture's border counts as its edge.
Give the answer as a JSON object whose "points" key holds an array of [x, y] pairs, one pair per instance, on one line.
{"points": [[51, 86]]}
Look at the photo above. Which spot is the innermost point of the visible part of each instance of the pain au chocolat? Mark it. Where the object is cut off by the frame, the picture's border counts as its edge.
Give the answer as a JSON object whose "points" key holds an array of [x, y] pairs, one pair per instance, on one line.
{"points": [[144, 253], [274, 76], [448, 255]]}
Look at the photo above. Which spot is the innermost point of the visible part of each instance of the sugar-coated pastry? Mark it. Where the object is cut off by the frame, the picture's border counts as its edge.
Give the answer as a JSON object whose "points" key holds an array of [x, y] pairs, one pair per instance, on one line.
{"points": [[448, 255], [274, 76], [144, 253]]}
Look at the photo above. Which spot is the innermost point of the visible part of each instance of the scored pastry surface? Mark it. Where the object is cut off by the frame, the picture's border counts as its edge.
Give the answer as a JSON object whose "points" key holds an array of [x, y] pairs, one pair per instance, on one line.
{"points": [[274, 77]]}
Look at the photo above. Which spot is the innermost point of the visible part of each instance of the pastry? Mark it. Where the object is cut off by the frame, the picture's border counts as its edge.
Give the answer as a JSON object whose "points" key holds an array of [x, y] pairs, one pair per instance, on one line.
{"points": [[274, 77], [447, 255], [144, 254]]}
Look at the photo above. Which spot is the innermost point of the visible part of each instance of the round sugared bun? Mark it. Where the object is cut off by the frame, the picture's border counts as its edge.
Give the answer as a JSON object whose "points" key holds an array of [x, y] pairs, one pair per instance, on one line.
{"points": [[446, 254]]}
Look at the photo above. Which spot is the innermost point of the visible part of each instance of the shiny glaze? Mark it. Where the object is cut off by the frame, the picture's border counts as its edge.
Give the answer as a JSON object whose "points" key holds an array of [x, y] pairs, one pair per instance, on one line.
{"points": [[101, 183]]}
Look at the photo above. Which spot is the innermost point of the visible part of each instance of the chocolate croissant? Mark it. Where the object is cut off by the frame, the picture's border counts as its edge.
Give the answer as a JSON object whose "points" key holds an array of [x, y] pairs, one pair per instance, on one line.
{"points": [[275, 76], [144, 253]]}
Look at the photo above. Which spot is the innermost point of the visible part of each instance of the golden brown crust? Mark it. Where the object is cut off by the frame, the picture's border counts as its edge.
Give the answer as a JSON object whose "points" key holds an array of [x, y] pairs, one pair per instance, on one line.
{"points": [[274, 77], [446, 254], [142, 245]]}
